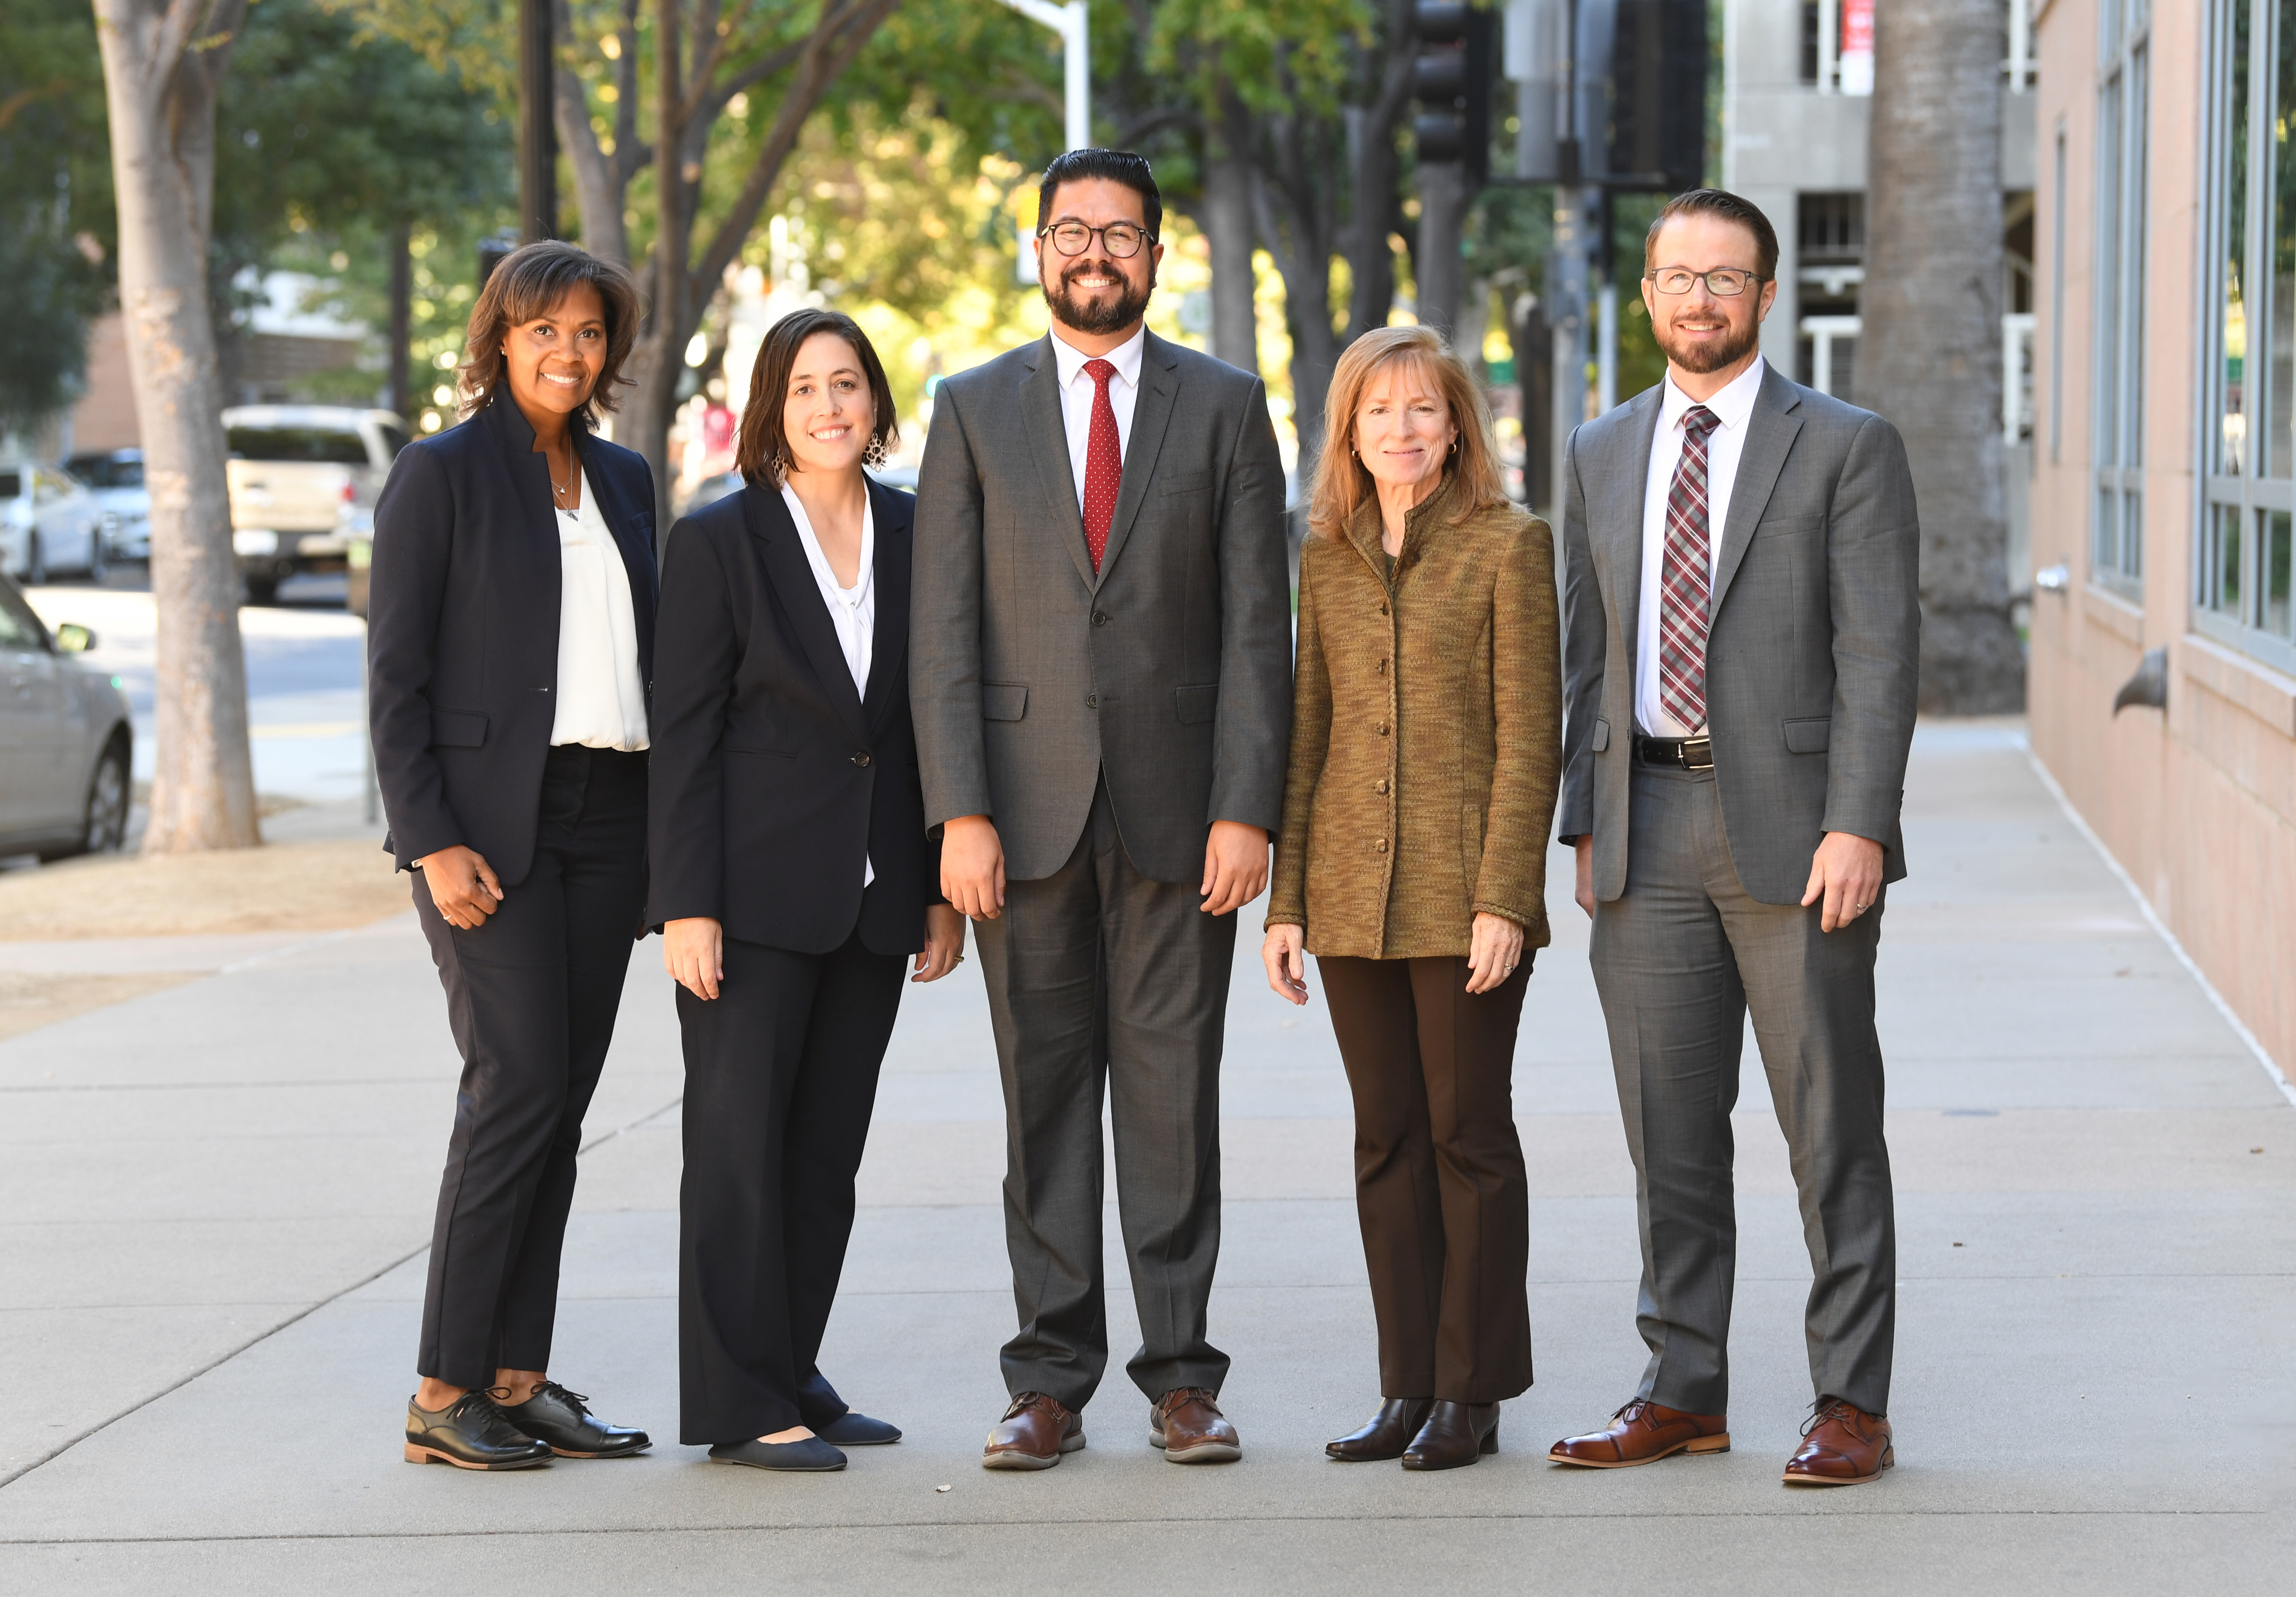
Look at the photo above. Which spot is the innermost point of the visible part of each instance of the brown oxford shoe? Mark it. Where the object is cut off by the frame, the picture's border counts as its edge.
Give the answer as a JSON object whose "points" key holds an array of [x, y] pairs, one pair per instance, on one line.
{"points": [[1456, 1434], [1186, 1424], [1033, 1434], [1842, 1445], [1641, 1433], [1389, 1432]]}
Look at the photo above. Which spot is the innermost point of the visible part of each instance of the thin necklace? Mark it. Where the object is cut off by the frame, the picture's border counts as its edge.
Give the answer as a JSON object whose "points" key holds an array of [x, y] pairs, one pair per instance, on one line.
{"points": [[564, 494]]}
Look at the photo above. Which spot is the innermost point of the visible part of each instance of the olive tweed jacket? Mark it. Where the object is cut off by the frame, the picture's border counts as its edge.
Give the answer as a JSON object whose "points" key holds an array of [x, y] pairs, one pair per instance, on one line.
{"points": [[1426, 734]]}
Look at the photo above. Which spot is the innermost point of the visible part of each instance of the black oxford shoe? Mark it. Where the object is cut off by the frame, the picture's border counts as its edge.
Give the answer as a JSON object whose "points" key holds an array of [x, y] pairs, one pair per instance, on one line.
{"points": [[1389, 1432], [806, 1455], [1454, 1434], [470, 1433], [558, 1418], [853, 1429]]}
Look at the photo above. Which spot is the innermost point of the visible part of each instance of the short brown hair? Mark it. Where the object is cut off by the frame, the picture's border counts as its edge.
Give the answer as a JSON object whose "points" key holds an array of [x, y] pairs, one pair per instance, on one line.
{"points": [[528, 284], [761, 453], [1723, 203], [1343, 482]]}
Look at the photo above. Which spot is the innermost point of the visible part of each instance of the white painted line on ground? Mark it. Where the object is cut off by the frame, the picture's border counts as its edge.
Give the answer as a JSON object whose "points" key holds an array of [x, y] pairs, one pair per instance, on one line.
{"points": [[2240, 1027]]}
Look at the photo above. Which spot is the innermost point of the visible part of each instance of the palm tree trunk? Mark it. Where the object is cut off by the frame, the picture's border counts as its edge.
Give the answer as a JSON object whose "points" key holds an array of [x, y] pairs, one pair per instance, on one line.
{"points": [[163, 60], [1930, 355]]}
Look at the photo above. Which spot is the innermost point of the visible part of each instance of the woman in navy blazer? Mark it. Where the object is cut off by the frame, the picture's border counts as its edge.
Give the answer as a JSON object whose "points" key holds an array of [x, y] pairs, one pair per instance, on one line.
{"points": [[791, 877], [510, 643]]}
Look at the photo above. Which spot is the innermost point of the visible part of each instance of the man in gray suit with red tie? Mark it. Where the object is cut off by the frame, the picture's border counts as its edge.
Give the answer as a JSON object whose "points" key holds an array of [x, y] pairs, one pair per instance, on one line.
{"points": [[1101, 673], [1741, 655]]}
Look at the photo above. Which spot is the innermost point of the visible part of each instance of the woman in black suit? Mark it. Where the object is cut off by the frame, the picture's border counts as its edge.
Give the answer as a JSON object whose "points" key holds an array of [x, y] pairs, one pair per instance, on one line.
{"points": [[510, 638], [791, 877]]}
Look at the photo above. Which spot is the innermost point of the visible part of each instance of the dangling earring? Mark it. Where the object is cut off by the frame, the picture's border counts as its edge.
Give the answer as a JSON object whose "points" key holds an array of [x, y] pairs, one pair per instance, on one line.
{"points": [[1454, 446], [874, 454]]}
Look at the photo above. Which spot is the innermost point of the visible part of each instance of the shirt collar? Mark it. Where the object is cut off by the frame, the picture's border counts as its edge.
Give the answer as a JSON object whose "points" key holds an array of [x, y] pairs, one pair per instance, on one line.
{"points": [[1125, 357], [1731, 405]]}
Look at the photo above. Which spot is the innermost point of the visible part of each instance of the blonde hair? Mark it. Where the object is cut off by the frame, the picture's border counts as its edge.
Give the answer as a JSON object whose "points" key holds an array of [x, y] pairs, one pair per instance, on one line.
{"points": [[1343, 483]]}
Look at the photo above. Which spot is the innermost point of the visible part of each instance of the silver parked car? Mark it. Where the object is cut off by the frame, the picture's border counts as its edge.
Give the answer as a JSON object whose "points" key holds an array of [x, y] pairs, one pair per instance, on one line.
{"points": [[66, 744], [116, 478], [49, 522], [300, 474]]}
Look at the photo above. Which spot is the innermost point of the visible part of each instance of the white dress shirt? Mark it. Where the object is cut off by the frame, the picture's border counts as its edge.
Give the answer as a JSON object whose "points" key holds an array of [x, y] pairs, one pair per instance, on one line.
{"points": [[1734, 408], [1076, 389], [601, 699], [852, 611]]}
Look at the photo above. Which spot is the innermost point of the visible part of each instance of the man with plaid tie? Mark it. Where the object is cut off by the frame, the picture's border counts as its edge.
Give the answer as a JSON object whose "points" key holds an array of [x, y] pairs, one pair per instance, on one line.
{"points": [[1101, 673], [1741, 655]]}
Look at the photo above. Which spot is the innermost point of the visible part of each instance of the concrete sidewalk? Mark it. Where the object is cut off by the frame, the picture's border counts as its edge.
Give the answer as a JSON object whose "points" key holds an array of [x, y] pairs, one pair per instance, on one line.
{"points": [[213, 1200]]}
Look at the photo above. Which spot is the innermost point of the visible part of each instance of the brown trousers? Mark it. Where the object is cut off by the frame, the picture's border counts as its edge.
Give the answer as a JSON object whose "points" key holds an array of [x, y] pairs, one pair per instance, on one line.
{"points": [[1439, 1185]]}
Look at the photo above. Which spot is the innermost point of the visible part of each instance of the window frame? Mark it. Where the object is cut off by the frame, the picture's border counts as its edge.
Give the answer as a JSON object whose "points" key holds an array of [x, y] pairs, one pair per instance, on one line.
{"points": [[2250, 498], [2122, 186]]}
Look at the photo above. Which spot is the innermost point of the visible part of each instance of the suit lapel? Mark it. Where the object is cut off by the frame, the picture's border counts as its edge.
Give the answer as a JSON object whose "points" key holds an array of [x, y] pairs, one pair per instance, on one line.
{"points": [[791, 575], [890, 648], [530, 475], [1770, 433], [1151, 416], [1622, 519], [1048, 441]]}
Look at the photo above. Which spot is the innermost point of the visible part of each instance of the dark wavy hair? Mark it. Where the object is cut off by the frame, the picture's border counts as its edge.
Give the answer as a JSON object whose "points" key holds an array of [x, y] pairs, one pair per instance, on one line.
{"points": [[761, 453], [528, 284]]}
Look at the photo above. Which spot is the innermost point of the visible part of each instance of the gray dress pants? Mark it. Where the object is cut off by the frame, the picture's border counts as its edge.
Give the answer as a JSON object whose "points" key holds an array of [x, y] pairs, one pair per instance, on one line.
{"points": [[1100, 977], [1680, 960]]}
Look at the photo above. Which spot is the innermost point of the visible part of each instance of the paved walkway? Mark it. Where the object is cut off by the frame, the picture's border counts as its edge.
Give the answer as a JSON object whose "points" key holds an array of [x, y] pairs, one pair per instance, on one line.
{"points": [[213, 1199]]}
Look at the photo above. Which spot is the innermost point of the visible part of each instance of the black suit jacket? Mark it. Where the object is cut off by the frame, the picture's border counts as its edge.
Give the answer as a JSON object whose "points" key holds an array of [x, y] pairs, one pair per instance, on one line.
{"points": [[772, 779], [463, 629]]}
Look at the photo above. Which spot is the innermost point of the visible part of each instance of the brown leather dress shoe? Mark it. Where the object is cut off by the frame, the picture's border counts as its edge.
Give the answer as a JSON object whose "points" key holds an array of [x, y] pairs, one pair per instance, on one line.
{"points": [[1454, 1434], [1641, 1433], [1033, 1434], [1842, 1445], [1389, 1432], [1186, 1424]]}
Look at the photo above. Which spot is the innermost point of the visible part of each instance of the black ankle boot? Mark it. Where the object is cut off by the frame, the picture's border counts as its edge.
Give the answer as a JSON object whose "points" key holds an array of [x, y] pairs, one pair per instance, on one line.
{"points": [[1389, 1432], [1454, 1434]]}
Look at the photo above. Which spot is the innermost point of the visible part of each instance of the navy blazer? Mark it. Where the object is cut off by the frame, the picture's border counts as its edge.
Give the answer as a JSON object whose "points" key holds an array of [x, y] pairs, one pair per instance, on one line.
{"points": [[772, 779], [462, 628]]}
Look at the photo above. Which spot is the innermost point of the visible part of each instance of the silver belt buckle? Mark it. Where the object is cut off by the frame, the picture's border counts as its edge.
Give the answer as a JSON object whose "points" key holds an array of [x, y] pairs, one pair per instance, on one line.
{"points": [[1698, 754]]}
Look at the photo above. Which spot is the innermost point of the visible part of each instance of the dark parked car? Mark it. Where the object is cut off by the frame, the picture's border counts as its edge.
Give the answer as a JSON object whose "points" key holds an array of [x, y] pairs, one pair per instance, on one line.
{"points": [[66, 746]]}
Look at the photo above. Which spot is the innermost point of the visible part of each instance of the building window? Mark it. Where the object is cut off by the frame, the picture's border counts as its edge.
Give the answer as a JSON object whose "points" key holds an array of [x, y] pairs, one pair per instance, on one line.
{"points": [[2117, 527], [2247, 546]]}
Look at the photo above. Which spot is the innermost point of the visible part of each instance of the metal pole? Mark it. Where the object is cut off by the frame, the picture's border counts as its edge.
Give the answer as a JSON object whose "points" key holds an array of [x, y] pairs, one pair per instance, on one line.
{"points": [[1566, 299], [537, 136], [1076, 38], [1442, 223]]}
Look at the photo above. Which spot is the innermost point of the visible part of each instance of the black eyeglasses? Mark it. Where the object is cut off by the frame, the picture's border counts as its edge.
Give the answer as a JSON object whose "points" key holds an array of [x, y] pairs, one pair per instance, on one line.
{"points": [[1724, 283], [1121, 240]]}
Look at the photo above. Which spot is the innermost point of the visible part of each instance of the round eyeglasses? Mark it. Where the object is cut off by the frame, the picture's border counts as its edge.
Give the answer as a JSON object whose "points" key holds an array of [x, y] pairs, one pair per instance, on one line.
{"points": [[1724, 283], [1121, 240]]}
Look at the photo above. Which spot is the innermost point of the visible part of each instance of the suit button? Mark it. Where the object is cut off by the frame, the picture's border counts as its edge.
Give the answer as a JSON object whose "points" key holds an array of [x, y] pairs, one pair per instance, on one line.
{"points": [[862, 759], [1383, 729], [1380, 786], [1092, 701], [1379, 667], [1381, 846], [1383, 610], [1099, 618]]}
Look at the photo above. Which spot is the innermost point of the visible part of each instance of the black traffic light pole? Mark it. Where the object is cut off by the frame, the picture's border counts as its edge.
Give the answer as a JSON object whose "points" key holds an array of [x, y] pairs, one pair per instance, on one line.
{"points": [[537, 136], [1451, 77]]}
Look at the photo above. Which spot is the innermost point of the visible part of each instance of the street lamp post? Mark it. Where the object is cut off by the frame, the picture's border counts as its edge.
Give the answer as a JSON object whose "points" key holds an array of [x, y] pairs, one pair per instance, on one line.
{"points": [[1073, 22], [537, 136]]}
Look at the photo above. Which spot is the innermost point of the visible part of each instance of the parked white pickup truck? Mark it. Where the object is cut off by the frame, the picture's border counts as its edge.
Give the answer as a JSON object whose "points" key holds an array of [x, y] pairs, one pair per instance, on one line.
{"points": [[300, 475]]}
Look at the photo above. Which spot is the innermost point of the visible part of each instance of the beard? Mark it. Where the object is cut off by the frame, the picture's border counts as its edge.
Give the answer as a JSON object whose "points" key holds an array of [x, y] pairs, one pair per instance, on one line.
{"points": [[1702, 356], [1096, 316]]}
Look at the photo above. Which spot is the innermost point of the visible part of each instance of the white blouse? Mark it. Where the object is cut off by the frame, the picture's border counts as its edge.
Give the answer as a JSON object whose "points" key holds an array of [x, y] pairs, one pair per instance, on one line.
{"points": [[600, 699], [852, 611]]}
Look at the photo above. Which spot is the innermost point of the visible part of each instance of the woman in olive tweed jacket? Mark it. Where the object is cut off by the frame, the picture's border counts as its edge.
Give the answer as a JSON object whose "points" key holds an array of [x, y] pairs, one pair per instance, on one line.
{"points": [[1426, 750]]}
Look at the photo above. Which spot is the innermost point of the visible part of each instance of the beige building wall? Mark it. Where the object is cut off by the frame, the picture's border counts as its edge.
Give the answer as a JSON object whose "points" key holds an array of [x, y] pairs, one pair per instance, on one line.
{"points": [[2198, 803]]}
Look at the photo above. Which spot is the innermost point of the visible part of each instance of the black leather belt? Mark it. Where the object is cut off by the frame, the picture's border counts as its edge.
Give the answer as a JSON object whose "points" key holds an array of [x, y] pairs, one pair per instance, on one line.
{"points": [[1691, 754]]}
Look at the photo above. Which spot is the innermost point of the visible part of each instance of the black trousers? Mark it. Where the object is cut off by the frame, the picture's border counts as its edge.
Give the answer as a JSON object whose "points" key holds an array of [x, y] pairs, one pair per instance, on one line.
{"points": [[1440, 1191], [781, 1075], [532, 996], [1101, 979]]}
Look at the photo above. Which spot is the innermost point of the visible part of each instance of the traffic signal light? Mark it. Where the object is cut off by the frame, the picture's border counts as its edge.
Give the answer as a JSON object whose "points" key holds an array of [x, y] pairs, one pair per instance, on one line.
{"points": [[1451, 77], [1659, 58]]}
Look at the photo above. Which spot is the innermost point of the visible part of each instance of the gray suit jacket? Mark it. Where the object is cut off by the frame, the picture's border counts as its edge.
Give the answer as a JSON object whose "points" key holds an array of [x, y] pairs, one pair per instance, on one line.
{"points": [[1171, 670], [1814, 649]]}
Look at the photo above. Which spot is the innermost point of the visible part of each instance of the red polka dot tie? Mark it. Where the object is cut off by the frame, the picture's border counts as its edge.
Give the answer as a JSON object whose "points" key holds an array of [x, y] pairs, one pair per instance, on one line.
{"points": [[1104, 463]]}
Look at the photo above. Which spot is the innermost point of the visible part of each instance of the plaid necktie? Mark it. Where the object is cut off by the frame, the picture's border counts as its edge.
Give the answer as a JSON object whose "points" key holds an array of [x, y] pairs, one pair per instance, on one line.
{"points": [[1104, 463], [1685, 579]]}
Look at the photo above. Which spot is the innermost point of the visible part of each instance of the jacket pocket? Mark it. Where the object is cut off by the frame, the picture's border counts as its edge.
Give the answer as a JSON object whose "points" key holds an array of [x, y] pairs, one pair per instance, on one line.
{"points": [[1195, 482], [457, 729], [1601, 738], [1197, 705], [1811, 735], [762, 753], [1004, 700]]}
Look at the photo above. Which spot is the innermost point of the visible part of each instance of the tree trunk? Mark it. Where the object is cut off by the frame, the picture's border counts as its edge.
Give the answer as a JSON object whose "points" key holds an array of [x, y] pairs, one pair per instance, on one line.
{"points": [[1375, 170], [162, 96], [1229, 228], [1930, 354], [402, 322]]}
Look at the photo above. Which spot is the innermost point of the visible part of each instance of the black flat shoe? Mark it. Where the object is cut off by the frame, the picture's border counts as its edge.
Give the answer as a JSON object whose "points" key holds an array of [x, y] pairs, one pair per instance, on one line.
{"points": [[1454, 1434], [853, 1429], [1389, 1432], [811, 1455], [556, 1418], [470, 1433]]}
